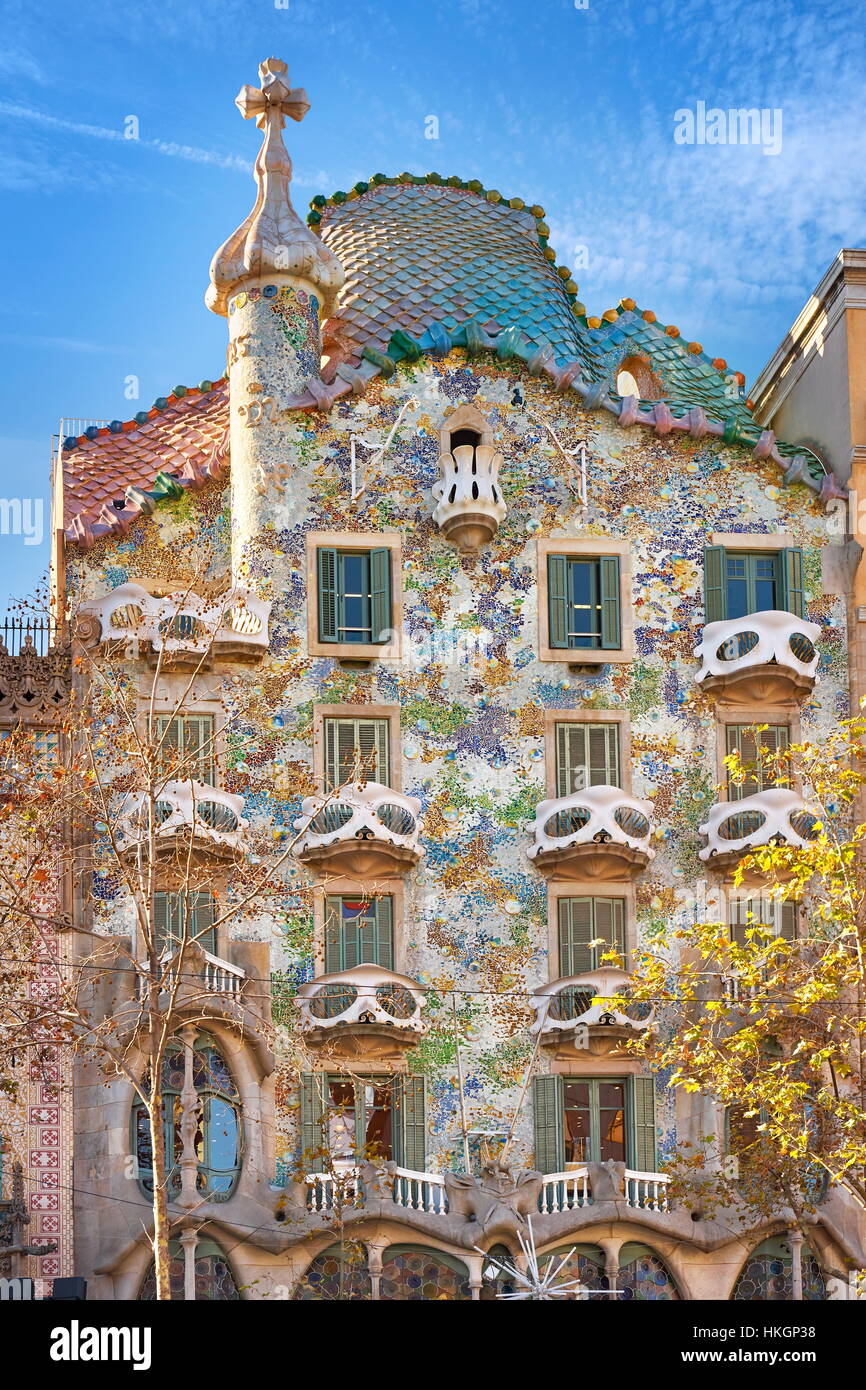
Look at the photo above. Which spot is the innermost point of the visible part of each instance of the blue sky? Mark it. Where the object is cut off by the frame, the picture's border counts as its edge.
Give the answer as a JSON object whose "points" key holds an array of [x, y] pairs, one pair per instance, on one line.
{"points": [[108, 240]]}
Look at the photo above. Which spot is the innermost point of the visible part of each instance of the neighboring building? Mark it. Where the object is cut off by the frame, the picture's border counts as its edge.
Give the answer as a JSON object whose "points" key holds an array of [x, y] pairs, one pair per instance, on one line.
{"points": [[483, 540]]}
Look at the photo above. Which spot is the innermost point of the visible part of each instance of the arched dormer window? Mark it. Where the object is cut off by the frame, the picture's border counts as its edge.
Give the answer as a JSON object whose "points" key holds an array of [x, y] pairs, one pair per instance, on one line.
{"points": [[635, 377], [218, 1139]]}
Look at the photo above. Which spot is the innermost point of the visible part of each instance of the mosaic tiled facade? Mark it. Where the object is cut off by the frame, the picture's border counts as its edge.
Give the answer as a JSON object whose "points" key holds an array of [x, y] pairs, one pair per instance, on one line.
{"points": [[430, 296]]}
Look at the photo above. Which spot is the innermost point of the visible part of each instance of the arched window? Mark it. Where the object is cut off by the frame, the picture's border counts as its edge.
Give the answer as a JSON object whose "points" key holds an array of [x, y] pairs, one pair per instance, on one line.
{"points": [[643, 1275], [213, 1277], [767, 1275], [585, 1262], [494, 1281], [218, 1139], [414, 1274], [339, 1274]]}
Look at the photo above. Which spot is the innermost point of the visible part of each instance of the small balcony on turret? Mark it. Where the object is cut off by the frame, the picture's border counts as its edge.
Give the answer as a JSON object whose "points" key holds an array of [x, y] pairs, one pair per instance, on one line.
{"points": [[577, 1014], [765, 658], [777, 816], [363, 830], [366, 1011], [35, 672], [182, 629], [182, 812], [598, 833]]}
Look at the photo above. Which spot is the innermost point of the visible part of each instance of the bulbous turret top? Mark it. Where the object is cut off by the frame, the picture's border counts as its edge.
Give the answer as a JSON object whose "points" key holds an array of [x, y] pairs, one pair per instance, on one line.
{"points": [[273, 242]]}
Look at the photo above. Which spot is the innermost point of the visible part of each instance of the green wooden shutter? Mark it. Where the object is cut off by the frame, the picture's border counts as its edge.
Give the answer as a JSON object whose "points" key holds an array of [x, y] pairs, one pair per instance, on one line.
{"points": [[383, 929], [787, 921], [715, 590], [411, 1128], [160, 926], [333, 935], [557, 600], [549, 1138], [603, 754], [326, 558], [201, 925], [608, 926], [332, 754], [789, 585], [575, 934], [643, 1136], [313, 1094], [380, 595], [608, 571], [565, 758]]}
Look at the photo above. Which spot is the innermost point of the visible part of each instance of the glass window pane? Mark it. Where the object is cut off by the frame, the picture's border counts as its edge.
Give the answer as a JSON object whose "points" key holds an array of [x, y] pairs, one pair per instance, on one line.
{"points": [[341, 1119], [378, 1121], [584, 609]]}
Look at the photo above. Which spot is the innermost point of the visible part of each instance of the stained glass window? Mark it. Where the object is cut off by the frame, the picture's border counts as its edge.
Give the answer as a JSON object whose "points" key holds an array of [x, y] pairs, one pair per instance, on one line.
{"points": [[415, 1275], [339, 1274], [214, 1280], [643, 1276], [767, 1276]]}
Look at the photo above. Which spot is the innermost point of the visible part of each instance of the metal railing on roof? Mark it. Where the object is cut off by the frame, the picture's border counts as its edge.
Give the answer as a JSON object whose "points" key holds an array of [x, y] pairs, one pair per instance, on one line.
{"points": [[16, 633]]}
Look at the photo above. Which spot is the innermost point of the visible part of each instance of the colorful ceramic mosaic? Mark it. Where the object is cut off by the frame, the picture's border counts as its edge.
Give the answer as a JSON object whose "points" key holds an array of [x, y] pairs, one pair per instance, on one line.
{"points": [[422, 1276]]}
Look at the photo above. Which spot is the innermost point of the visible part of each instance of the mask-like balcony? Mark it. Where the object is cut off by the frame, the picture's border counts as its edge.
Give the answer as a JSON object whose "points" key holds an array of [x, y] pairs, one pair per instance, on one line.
{"points": [[777, 816], [188, 630], [598, 833], [365, 1011], [364, 830], [767, 657], [469, 508], [208, 816], [574, 1013]]}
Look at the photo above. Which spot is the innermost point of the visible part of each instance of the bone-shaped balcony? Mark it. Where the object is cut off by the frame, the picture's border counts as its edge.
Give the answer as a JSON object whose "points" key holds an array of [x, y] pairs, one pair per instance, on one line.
{"points": [[186, 629], [184, 811], [364, 1011], [469, 502], [599, 833], [777, 816], [577, 1012], [768, 657], [363, 830]]}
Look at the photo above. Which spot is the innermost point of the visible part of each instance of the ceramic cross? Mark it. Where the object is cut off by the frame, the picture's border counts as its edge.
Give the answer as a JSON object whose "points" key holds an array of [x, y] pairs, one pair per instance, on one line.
{"points": [[275, 99]]}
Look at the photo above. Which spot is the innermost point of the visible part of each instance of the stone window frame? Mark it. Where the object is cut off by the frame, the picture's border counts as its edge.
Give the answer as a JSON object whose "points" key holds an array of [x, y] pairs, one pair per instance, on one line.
{"points": [[355, 540], [552, 717], [753, 714], [588, 888], [336, 887], [391, 713], [586, 547]]}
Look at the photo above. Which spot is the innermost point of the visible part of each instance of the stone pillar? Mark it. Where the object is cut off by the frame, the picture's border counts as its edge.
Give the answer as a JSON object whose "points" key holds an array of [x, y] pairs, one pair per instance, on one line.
{"points": [[795, 1240], [189, 1242], [189, 1122]]}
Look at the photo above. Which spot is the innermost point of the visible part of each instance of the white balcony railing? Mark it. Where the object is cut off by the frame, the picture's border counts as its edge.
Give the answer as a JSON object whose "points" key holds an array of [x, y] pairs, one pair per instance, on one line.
{"points": [[420, 1191], [215, 976], [209, 814], [566, 1191], [775, 816], [365, 824], [599, 819], [325, 1191], [365, 994], [469, 504], [220, 976], [773, 638], [183, 623], [585, 999]]}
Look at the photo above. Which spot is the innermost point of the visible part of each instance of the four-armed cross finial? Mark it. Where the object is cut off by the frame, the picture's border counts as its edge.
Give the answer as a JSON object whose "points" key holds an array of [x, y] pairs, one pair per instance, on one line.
{"points": [[275, 99]]}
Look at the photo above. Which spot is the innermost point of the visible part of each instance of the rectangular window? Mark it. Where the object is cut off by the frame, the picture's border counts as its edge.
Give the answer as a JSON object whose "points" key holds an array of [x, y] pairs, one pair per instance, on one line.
{"points": [[187, 746], [584, 920], [354, 595], [173, 911], [745, 740], [761, 912], [350, 1118], [356, 749], [590, 1119], [583, 601], [359, 1119], [594, 1118], [587, 755], [740, 582], [359, 931]]}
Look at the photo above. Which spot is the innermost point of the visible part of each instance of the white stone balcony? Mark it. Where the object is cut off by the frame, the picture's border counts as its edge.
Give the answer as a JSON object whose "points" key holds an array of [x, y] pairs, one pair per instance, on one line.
{"points": [[768, 657], [567, 1191], [575, 1011], [187, 629], [365, 1011], [364, 830], [599, 833], [210, 816], [203, 973], [777, 816], [470, 508]]}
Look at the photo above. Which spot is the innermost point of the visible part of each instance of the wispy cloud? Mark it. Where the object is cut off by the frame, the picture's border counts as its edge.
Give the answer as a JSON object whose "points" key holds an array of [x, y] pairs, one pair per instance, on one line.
{"points": [[172, 149], [54, 344]]}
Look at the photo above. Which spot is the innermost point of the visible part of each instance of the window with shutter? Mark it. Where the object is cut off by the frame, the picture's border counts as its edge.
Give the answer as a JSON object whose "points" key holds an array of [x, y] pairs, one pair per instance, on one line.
{"points": [[411, 1130], [584, 602], [173, 911], [187, 746], [740, 582], [747, 741], [359, 931], [547, 1114], [359, 1114], [354, 595], [643, 1137], [587, 755], [743, 913], [583, 920], [314, 1105], [355, 749]]}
